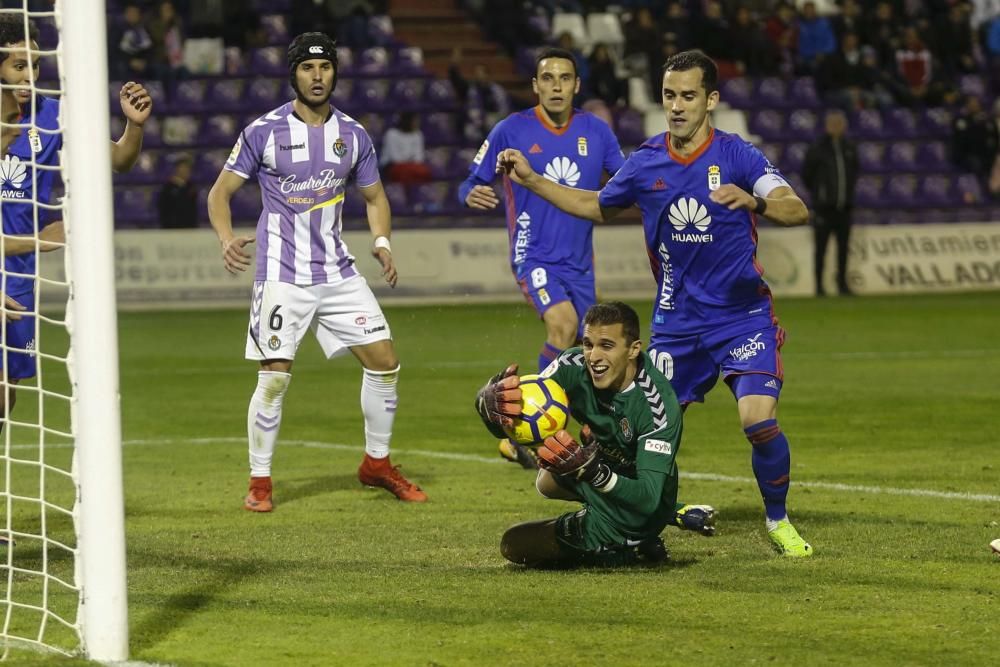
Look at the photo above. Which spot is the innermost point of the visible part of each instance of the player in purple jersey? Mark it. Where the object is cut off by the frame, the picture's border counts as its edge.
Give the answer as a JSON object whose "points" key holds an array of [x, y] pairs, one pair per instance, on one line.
{"points": [[551, 253], [700, 192], [304, 154]]}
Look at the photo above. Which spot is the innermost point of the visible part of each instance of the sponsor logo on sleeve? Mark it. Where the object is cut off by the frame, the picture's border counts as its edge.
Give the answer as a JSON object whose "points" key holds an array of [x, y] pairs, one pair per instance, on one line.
{"points": [[659, 446], [482, 152], [235, 152]]}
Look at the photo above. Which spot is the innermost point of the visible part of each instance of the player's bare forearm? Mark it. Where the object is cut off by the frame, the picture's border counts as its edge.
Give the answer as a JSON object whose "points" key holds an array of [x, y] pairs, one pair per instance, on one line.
{"points": [[125, 151], [786, 210], [377, 210], [581, 203]]}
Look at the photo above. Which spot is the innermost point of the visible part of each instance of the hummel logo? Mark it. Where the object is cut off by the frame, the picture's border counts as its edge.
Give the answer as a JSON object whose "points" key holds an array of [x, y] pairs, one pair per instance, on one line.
{"points": [[659, 184], [773, 384], [535, 148]]}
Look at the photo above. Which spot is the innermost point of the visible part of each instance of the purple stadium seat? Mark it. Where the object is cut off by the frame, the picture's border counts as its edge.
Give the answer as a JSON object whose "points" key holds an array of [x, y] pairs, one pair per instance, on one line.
{"points": [[345, 62], [276, 29], [372, 95], [439, 160], [871, 156], [406, 94], [867, 124], [189, 97], [802, 93], [973, 84], [935, 190], [146, 170], [937, 123], [768, 123], [969, 190], [439, 129], [902, 157], [208, 164], [439, 94], [629, 127], [268, 61], [136, 205], [772, 92], [934, 156], [396, 194], [794, 156], [737, 93], [410, 60], [219, 130], [868, 191], [461, 160], [266, 94], [246, 202], [374, 62], [432, 198], [226, 95], [902, 123], [774, 153], [803, 124], [375, 125], [343, 93], [181, 130], [901, 191], [380, 30], [524, 59]]}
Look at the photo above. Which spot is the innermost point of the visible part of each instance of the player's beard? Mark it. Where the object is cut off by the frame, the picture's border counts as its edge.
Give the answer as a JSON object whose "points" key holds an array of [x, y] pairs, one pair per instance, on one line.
{"points": [[311, 103]]}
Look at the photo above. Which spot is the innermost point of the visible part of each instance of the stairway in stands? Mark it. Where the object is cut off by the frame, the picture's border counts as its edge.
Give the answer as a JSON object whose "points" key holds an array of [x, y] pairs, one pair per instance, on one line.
{"points": [[440, 26]]}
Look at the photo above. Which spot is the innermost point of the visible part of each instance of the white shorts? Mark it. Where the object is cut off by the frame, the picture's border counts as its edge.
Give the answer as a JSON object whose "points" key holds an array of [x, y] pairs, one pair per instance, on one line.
{"points": [[341, 315]]}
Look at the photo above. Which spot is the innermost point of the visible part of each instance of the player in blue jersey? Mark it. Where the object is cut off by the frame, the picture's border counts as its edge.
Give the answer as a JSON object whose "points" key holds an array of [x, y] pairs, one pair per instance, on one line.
{"points": [[551, 253], [22, 187], [700, 191]]}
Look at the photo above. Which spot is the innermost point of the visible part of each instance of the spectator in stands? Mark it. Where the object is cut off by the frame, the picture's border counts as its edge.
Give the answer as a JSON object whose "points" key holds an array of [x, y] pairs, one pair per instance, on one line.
{"points": [[749, 45], [347, 19], [881, 31], [816, 38], [915, 66], [167, 33], [643, 47], [566, 42], [134, 46], [974, 139], [848, 20], [954, 41], [604, 82], [830, 171], [882, 85], [842, 79], [712, 30], [782, 31], [402, 158], [676, 25], [482, 99], [178, 199], [509, 25]]}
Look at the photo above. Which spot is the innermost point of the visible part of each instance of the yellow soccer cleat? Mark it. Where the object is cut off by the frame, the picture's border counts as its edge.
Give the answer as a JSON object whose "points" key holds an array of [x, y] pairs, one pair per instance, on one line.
{"points": [[788, 541], [519, 454]]}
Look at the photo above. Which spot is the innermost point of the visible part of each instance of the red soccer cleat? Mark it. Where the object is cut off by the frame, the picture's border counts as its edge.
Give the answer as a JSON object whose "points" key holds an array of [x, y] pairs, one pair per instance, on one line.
{"points": [[380, 472], [259, 497]]}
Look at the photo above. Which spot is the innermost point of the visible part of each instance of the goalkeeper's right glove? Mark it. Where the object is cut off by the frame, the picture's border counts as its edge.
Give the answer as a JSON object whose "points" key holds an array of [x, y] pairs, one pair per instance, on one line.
{"points": [[499, 401], [561, 455]]}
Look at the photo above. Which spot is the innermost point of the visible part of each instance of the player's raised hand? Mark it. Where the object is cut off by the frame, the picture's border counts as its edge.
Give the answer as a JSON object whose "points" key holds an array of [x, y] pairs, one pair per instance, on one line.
{"points": [[733, 197], [384, 258], [233, 256], [512, 162], [482, 197], [499, 401], [136, 102], [12, 309]]}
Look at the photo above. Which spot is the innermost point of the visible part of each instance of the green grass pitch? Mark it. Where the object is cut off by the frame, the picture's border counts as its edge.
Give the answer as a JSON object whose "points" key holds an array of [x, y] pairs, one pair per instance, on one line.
{"points": [[891, 406]]}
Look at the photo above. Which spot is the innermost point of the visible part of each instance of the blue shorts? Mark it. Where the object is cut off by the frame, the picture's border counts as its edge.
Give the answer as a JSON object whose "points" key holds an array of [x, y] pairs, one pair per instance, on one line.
{"points": [[544, 287], [750, 362], [20, 335]]}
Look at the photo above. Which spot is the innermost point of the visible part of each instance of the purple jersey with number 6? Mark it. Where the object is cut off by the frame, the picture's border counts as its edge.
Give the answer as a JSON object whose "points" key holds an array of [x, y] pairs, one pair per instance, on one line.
{"points": [[303, 173]]}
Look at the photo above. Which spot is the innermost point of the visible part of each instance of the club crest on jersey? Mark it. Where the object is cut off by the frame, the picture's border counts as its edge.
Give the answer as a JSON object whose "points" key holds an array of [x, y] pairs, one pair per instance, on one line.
{"points": [[339, 147], [34, 140], [714, 177], [581, 146], [626, 428], [274, 342]]}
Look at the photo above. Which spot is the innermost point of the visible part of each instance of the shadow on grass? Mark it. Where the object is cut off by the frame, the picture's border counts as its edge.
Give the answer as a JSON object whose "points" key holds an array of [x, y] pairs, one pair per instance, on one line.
{"points": [[286, 492]]}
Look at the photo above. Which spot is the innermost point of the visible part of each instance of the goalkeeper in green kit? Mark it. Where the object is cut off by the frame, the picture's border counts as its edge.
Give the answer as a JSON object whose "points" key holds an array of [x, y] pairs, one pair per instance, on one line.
{"points": [[623, 468]]}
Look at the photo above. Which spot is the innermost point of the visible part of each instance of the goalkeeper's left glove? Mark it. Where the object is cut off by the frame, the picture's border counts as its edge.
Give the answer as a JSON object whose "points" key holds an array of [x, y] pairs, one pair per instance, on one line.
{"points": [[561, 455], [499, 401]]}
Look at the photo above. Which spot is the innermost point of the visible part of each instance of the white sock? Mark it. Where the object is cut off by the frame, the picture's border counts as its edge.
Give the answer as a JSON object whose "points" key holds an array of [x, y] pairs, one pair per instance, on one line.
{"points": [[264, 419], [772, 524], [378, 404]]}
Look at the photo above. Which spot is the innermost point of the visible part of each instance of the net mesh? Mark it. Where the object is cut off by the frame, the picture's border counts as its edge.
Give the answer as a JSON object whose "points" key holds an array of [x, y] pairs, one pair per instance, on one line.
{"points": [[39, 586]]}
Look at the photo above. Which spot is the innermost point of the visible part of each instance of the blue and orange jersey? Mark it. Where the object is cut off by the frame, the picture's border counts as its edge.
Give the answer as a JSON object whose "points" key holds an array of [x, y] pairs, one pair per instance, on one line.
{"points": [[702, 254], [576, 155]]}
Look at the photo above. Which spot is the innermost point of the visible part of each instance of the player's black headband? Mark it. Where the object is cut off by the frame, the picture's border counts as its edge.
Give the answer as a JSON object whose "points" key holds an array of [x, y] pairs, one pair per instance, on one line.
{"points": [[310, 45]]}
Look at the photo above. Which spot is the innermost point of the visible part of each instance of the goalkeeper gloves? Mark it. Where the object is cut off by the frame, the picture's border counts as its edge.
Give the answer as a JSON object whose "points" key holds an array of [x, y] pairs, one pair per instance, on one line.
{"points": [[561, 455], [499, 401]]}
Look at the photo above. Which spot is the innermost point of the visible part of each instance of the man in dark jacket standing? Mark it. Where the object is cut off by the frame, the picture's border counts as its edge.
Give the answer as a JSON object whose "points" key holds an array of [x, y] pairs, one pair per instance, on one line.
{"points": [[830, 172]]}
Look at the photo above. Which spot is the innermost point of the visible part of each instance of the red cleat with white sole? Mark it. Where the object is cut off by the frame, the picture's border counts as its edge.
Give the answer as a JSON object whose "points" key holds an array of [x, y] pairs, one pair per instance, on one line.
{"points": [[381, 473], [259, 496]]}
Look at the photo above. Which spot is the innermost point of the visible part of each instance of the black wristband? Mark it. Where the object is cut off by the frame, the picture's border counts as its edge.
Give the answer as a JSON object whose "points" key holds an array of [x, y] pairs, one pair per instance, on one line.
{"points": [[761, 205]]}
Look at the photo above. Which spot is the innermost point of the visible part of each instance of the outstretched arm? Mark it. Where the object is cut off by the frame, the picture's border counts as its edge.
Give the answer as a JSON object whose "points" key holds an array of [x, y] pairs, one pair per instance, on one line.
{"points": [[781, 206], [136, 105], [581, 203]]}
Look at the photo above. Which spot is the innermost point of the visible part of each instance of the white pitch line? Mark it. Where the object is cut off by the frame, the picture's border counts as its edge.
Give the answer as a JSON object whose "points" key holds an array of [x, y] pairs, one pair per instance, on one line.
{"points": [[477, 458]]}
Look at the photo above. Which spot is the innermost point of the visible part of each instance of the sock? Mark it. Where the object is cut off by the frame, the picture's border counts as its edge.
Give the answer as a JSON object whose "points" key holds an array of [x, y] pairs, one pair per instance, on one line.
{"points": [[771, 462], [264, 419], [378, 404], [547, 355]]}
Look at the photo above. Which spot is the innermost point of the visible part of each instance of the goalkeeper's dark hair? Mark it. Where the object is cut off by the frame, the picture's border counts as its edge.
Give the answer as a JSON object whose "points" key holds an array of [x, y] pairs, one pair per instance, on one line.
{"points": [[688, 60], [553, 52], [614, 312], [12, 31]]}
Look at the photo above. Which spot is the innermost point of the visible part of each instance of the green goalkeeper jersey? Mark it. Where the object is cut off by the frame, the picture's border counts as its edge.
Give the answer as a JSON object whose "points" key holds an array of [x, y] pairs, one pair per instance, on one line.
{"points": [[639, 431]]}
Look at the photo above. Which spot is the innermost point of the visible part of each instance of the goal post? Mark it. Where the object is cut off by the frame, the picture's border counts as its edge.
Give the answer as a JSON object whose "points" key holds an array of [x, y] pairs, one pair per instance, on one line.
{"points": [[92, 324]]}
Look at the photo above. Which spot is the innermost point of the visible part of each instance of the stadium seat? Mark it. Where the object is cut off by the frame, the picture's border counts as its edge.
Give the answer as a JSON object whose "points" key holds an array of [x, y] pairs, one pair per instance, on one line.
{"points": [[208, 164], [226, 95], [371, 95], [934, 155], [245, 203], [868, 191], [275, 28], [937, 123], [410, 60], [900, 191], [431, 198], [181, 130], [146, 170], [794, 156], [629, 127], [380, 30], [574, 25], [774, 152], [219, 130], [373, 62], [439, 94], [268, 61], [768, 123], [771, 92], [605, 28], [803, 124], [871, 156], [973, 84], [461, 160], [345, 63], [902, 123], [343, 93], [439, 161], [189, 97], [902, 157], [802, 93], [867, 124], [265, 94], [935, 190], [407, 94], [136, 206], [396, 194], [737, 93], [439, 129], [969, 190]]}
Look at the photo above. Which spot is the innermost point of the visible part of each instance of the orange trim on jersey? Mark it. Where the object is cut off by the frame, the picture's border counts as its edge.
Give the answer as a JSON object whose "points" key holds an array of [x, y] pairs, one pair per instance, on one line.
{"points": [[697, 152], [547, 124]]}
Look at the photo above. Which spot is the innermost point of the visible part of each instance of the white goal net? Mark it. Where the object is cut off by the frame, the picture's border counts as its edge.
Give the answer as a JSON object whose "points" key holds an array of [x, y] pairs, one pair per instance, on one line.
{"points": [[62, 585]]}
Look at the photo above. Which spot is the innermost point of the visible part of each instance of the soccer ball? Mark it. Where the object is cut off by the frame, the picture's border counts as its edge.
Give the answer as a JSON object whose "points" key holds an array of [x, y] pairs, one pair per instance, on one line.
{"points": [[544, 410]]}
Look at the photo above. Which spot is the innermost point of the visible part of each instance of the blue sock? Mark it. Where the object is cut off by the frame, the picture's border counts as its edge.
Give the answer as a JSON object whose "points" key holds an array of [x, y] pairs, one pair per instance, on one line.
{"points": [[545, 357], [771, 462]]}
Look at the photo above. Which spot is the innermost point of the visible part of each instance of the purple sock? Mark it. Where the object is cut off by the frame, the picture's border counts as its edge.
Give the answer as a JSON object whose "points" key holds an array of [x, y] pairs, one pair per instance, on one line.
{"points": [[771, 462], [545, 357]]}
